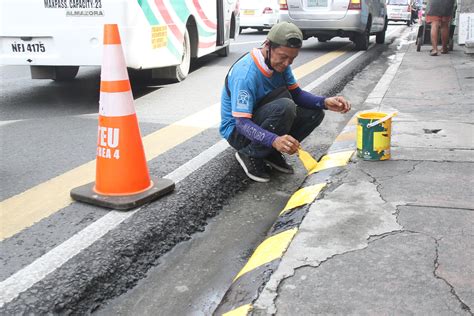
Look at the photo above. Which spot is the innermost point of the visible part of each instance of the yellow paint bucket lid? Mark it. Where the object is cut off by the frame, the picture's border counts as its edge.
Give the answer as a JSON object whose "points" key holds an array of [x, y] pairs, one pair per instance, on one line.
{"points": [[371, 115]]}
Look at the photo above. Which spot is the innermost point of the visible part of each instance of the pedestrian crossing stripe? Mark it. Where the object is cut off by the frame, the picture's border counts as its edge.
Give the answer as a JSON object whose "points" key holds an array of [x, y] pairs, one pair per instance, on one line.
{"points": [[270, 249]]}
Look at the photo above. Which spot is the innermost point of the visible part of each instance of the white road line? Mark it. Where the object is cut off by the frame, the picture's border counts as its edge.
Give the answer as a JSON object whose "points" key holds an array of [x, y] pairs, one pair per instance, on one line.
{"points": [[4, 123], [379, 91], [246, 43], [41, 267], [393, 31], [23, 279]]}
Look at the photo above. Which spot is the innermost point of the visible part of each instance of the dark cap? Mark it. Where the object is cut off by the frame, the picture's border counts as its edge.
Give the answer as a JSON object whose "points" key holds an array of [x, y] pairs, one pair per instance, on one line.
{"points": [[286, 34]]}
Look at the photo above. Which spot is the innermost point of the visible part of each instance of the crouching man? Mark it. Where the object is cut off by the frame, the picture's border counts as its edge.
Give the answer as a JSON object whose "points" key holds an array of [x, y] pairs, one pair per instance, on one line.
{"points": [[264, 112]]}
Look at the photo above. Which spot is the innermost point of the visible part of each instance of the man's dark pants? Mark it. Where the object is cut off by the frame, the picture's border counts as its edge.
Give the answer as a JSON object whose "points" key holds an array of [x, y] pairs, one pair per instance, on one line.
{"points": [[281, 117]]}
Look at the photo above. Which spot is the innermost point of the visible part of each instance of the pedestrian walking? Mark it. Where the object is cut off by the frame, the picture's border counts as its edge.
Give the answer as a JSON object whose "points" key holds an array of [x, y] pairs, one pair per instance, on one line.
{"points": [[264, 111], [439, 14]]}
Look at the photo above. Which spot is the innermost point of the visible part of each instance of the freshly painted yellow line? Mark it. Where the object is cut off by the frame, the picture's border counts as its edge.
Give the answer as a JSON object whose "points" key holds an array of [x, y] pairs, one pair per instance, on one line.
{"points": [[270, 249], [352, 121], [308, 161], [27, 208], [303, 196], [317, 63], [346, 136], [333, 160], [239, 311]]}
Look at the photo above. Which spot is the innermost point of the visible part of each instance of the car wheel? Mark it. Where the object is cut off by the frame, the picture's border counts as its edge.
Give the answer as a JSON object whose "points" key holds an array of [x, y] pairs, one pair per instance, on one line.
{"points": [[361, 40], [380, 36]]}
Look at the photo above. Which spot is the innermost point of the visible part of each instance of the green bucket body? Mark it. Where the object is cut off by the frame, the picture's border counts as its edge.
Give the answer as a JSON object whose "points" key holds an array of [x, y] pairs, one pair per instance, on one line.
{"points": [[373, 143]]}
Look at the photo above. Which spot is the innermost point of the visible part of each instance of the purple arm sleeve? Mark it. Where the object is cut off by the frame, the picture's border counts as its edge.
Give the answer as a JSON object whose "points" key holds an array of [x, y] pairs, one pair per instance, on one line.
{"points": [[254, 132], [307, 100]]}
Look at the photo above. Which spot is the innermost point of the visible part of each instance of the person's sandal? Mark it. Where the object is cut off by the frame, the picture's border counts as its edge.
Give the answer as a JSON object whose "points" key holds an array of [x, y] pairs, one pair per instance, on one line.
{"points": [[433, 52], [444, 51]]}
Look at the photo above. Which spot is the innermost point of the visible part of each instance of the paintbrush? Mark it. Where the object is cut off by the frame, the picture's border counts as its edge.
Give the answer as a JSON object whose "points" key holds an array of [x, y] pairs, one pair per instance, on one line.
{"points": [[308, 161]]}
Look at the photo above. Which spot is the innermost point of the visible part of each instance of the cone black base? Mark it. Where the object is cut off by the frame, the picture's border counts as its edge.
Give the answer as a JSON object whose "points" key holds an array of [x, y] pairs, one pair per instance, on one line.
{"points": [[86, 194]]}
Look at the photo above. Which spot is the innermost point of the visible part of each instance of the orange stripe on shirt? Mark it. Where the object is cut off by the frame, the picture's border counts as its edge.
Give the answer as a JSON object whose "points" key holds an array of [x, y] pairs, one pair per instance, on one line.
{"points": [[241, 114], [255, 60], [293, 86], [115, 86]]}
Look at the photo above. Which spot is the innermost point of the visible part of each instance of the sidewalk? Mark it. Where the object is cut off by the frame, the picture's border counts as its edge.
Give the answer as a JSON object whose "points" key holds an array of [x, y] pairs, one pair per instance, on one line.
{"points": [[394, 237]]}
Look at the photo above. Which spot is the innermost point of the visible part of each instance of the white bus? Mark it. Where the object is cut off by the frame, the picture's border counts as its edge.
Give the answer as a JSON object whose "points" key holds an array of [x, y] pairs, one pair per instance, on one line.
{"points": [[55, 37]]}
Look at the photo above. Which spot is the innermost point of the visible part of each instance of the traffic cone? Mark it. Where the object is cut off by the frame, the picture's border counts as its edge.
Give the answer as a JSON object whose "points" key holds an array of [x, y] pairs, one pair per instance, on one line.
{"points": [[122, 179]]}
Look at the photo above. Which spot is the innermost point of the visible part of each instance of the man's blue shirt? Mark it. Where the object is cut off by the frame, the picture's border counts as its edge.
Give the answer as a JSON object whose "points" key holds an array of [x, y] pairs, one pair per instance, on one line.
{"points": [[249, 81]]}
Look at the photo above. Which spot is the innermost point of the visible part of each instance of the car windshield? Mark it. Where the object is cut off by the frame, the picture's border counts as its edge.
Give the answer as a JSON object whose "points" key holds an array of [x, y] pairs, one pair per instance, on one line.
{"points": [[397, 2]]}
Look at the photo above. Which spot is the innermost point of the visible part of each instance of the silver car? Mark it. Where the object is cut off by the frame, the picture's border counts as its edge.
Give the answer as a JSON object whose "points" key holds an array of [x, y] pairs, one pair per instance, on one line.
{"points": [[325, 19]]}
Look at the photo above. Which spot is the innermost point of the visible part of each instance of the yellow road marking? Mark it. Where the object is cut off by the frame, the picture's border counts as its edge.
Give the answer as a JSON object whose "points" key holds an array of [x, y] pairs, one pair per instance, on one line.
{"points": [[346, 136], [352, 121], [333, 160], [270, 249], [239, 311], [43, 200], [303, 196], [29, 207], [317, 63]]}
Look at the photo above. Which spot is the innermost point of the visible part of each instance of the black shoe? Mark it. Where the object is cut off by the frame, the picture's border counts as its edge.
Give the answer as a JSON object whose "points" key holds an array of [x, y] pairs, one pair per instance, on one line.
{"points": [[253, 167], [278, 162]]}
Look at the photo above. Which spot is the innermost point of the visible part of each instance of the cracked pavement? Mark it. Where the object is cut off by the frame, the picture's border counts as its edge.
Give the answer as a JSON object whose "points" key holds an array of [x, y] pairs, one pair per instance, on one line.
{"points": [[394, 237]]}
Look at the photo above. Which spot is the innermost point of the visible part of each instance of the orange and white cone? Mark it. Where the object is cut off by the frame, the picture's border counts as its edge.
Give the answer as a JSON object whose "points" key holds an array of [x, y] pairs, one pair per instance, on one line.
{"points": [[121, 168]]}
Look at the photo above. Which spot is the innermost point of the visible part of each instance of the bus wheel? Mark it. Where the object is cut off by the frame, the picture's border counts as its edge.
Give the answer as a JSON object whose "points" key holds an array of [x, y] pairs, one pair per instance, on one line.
{"points": [[182, 70], [172, 73]]}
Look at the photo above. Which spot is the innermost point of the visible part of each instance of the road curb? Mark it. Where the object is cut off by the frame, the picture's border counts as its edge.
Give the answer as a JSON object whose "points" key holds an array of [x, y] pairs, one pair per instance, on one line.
{"points": [[248, 284], [250, 281]]}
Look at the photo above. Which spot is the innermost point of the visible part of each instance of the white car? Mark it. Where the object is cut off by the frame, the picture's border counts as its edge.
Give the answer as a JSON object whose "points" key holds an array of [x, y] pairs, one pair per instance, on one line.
{"points": [[258, 14], [399, 10]]}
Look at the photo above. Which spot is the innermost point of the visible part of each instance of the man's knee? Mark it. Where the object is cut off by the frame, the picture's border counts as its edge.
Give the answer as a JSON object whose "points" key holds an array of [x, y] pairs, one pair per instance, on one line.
{"points": [[318, 116], [284, 107], [277, 116], [315, 116]]}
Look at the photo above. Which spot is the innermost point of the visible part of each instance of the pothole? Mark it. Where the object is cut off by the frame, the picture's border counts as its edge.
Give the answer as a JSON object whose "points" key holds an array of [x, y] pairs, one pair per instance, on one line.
{"points": [[431, 131]]}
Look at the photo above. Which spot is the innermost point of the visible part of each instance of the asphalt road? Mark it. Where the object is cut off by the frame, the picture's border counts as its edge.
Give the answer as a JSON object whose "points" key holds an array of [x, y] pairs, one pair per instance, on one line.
{"points": [[49, 129]]}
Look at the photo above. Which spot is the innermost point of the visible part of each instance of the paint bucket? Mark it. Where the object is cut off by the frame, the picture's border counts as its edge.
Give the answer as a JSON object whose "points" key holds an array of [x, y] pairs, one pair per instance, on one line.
{"points": [[374, 131]]}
